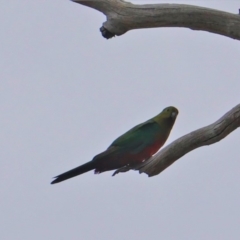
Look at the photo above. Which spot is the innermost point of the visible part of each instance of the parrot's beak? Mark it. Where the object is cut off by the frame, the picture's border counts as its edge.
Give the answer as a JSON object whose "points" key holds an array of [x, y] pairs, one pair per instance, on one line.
{"points": [[174, 114]]}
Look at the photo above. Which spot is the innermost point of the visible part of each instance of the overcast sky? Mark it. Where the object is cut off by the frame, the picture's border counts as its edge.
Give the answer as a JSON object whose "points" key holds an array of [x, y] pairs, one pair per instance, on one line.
{"points": [[66, 93]]}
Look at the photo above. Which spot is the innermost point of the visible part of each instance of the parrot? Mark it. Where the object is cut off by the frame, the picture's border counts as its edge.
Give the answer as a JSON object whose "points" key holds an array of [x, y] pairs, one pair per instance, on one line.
{"points": [[133, 147]]}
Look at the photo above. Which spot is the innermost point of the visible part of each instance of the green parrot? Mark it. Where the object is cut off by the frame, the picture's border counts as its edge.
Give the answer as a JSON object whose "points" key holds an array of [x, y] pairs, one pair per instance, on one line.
{"points": [[133, 147]]}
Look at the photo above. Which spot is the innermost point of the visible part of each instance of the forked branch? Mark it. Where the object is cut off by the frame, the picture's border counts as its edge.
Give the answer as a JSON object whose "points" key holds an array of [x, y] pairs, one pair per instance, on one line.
{"points": [[123, 16]]}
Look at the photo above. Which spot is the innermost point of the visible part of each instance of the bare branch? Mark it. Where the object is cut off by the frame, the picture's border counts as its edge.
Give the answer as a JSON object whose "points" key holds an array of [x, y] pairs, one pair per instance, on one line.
{"points": [[204, 136], [123, 16]]}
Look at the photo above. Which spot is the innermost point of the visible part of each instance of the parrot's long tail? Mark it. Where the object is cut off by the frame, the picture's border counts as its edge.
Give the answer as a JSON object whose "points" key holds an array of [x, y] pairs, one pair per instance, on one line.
{"points": [[74, 172]]}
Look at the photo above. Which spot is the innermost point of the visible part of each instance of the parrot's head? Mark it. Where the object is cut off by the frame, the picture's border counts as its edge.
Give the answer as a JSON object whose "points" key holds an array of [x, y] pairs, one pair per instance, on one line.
{"points": [[167, 116], [169, 112]]}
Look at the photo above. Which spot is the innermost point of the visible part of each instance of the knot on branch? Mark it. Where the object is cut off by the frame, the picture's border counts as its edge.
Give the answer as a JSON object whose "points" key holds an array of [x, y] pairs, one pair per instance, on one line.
{"points": [[105, 33]]}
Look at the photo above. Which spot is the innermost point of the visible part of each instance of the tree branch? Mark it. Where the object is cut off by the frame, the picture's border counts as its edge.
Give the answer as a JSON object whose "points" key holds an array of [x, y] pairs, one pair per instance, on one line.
{"points": [[204, 136], [123, 16]]}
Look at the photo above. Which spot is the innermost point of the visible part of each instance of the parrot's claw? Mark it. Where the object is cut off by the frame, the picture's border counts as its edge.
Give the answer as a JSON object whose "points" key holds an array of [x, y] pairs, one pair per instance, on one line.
{"points": [[122, 169], [128, 167]]}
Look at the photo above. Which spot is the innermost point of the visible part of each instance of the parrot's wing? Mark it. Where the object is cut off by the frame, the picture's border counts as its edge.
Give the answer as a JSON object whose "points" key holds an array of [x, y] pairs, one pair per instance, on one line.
{"points": [[138, 137]]}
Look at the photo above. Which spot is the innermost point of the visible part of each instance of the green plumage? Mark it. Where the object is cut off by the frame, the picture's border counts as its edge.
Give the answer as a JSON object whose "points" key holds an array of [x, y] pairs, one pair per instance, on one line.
{"points": [[133, 147]]}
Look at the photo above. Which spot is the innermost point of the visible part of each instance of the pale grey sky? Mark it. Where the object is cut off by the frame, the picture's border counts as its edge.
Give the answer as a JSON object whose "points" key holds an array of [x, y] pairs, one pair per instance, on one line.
{"points": [[66, 93]]}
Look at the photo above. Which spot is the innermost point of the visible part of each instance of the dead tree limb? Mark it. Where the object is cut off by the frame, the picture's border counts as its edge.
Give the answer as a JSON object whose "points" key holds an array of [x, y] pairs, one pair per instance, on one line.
{"points": [[123, 16], [204, 136]]}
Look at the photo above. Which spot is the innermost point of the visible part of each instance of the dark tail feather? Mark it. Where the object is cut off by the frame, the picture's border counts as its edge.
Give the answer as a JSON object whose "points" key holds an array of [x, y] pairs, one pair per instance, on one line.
{"points": [[74, 172]]}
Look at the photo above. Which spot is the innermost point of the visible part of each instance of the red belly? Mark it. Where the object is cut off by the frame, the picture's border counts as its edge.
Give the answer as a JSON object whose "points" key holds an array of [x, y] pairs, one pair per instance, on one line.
{"points": [[147, 152], [114, 161]]}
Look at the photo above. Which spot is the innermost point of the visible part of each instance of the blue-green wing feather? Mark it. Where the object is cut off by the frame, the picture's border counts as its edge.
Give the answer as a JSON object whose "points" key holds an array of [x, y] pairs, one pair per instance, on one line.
{"points": [[137, 138]]}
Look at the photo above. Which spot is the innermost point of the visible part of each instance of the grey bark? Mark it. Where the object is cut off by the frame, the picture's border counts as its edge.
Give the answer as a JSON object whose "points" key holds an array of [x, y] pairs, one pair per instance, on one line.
{"points": [[123, 16]]}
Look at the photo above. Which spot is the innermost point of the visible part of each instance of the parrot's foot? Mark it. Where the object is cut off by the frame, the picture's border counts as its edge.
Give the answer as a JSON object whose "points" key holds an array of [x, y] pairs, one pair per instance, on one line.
{"points": [[128, 167], [122, 169], [105, 33]]}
